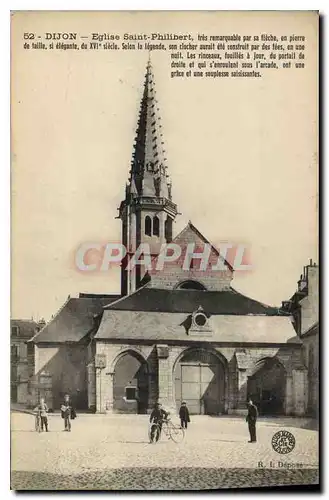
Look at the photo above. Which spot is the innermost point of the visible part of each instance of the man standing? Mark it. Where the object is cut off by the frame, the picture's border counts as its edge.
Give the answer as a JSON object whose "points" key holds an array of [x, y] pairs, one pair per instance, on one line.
{"points": [[68, 413], [184, 415], [252, 419]]}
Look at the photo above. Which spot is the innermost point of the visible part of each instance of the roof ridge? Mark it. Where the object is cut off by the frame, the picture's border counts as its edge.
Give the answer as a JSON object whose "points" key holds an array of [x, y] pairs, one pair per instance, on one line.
{"points": [[124, 297], [25, 320], [255, 300]]}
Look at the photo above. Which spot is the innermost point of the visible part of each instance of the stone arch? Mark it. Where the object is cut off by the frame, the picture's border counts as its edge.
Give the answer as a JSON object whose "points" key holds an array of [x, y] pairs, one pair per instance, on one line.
{"points": [[190, 284], [201, 379], [130, 382], [267, 385], [122, 352]]}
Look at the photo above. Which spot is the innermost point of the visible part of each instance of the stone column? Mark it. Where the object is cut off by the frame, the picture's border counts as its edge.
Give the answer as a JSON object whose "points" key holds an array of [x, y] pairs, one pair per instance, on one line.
{"points": [[242, 384], [288, 403], [165, 378], [108, 396], [300, 392], [162, 218], [91, 373], [102, 390]]}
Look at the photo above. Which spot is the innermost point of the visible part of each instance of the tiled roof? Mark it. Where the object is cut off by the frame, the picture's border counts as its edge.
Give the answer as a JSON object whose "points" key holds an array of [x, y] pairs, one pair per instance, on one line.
{"points": [[187, 301], [161, 326], [73, 321]]}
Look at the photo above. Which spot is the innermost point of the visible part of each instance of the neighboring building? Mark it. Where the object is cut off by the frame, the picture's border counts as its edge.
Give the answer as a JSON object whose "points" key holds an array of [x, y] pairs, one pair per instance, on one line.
{"points": [[172, 334], [304, 306], [21, 358], [310, 340]]}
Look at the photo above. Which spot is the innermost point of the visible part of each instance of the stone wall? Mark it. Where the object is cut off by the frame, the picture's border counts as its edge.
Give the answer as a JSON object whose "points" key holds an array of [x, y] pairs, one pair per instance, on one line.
{"points": [[311, 357], [173, 272], [66, 367], [310, 303], [104, 377]]}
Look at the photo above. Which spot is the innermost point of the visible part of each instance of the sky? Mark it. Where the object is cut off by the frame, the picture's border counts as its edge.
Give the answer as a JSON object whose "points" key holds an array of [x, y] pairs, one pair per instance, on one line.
{"points": [[242, 153]]}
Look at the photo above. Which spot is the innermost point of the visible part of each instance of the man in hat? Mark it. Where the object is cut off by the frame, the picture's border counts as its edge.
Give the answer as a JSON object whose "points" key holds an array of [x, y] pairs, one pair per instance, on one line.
{"points": [[157, 416], [184, 415], [252, 419]]}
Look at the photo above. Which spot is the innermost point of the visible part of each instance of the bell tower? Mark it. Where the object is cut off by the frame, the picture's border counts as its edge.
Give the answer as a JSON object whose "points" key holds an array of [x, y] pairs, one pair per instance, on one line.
{"points": [[147, 212]]}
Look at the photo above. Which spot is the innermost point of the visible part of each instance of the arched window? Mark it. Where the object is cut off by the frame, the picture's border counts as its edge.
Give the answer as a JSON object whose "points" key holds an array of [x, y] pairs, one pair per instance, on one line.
{"points": [[156, 226], [148, 226], [190, 285]]}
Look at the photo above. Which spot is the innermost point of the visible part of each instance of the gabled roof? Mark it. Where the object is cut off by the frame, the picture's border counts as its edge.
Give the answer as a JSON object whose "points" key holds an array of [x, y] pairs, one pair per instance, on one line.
{"points": [[74, 320], [191, 227], [186, 301]]}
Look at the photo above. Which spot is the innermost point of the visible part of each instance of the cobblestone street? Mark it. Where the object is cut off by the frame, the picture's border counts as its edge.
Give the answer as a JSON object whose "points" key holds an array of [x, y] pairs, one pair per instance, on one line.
{"points": [[112, 452]]}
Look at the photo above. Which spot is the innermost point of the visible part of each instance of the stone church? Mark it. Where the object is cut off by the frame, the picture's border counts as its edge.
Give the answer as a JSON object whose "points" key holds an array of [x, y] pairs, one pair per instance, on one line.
{"points": [[172, 334]]}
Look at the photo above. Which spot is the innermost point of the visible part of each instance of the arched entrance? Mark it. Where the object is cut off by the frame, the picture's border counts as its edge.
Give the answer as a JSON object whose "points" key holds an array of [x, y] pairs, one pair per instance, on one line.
{"points": [[266, 386], [200, 381], [130, 384]]}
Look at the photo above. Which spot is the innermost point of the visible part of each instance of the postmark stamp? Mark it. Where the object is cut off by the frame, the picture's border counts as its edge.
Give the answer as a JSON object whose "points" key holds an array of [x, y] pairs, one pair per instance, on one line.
{"points": [[283, 442]]}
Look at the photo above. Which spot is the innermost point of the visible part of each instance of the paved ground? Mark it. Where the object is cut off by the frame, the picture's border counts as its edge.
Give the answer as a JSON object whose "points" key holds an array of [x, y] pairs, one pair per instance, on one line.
{"points": [[113, 453]]}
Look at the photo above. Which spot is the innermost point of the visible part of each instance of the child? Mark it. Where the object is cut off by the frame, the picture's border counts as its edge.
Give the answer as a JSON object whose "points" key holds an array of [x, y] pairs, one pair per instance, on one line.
{"points": [[68, 413], [42, 410], [184, 415]]}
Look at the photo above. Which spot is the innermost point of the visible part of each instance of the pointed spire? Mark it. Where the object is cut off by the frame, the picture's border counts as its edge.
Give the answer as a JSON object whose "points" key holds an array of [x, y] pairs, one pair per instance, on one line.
{"points": [[148, 166]]}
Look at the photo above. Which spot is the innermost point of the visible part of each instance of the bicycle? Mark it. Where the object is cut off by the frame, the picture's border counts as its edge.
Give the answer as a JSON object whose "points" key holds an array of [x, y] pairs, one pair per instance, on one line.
{"points": [[172, 431], [38, 422]]}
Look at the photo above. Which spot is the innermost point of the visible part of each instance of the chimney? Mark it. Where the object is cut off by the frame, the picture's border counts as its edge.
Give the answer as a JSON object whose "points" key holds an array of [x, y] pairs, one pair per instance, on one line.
{"points": [[302, 283]]}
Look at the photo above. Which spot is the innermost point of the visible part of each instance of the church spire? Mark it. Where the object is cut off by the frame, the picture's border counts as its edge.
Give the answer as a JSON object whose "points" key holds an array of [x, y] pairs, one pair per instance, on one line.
{"points": [[147, 212], [149, 174]]}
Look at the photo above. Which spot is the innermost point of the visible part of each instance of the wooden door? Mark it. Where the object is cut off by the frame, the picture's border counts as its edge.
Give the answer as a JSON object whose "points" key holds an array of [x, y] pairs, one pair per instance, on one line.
{"points": [[201, 388]]}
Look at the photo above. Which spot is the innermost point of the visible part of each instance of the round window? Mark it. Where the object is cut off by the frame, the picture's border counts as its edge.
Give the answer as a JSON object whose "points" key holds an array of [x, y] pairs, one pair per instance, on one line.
{"points": [[200, 319]]}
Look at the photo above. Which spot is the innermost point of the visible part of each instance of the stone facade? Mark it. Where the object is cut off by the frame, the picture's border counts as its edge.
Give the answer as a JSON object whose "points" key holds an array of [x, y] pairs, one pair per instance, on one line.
{"points": [[304, 306], [161, 370], [311, 358]]}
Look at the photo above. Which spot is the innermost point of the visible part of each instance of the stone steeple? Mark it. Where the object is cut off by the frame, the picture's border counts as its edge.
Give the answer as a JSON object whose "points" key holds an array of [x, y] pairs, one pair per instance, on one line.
{"points": [[148, 175], [147, 212]]}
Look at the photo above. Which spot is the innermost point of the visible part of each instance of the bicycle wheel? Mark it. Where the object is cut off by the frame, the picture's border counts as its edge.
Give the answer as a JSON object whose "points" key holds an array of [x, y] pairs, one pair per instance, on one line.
{"points": [[176, 433], [154, 433]]}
